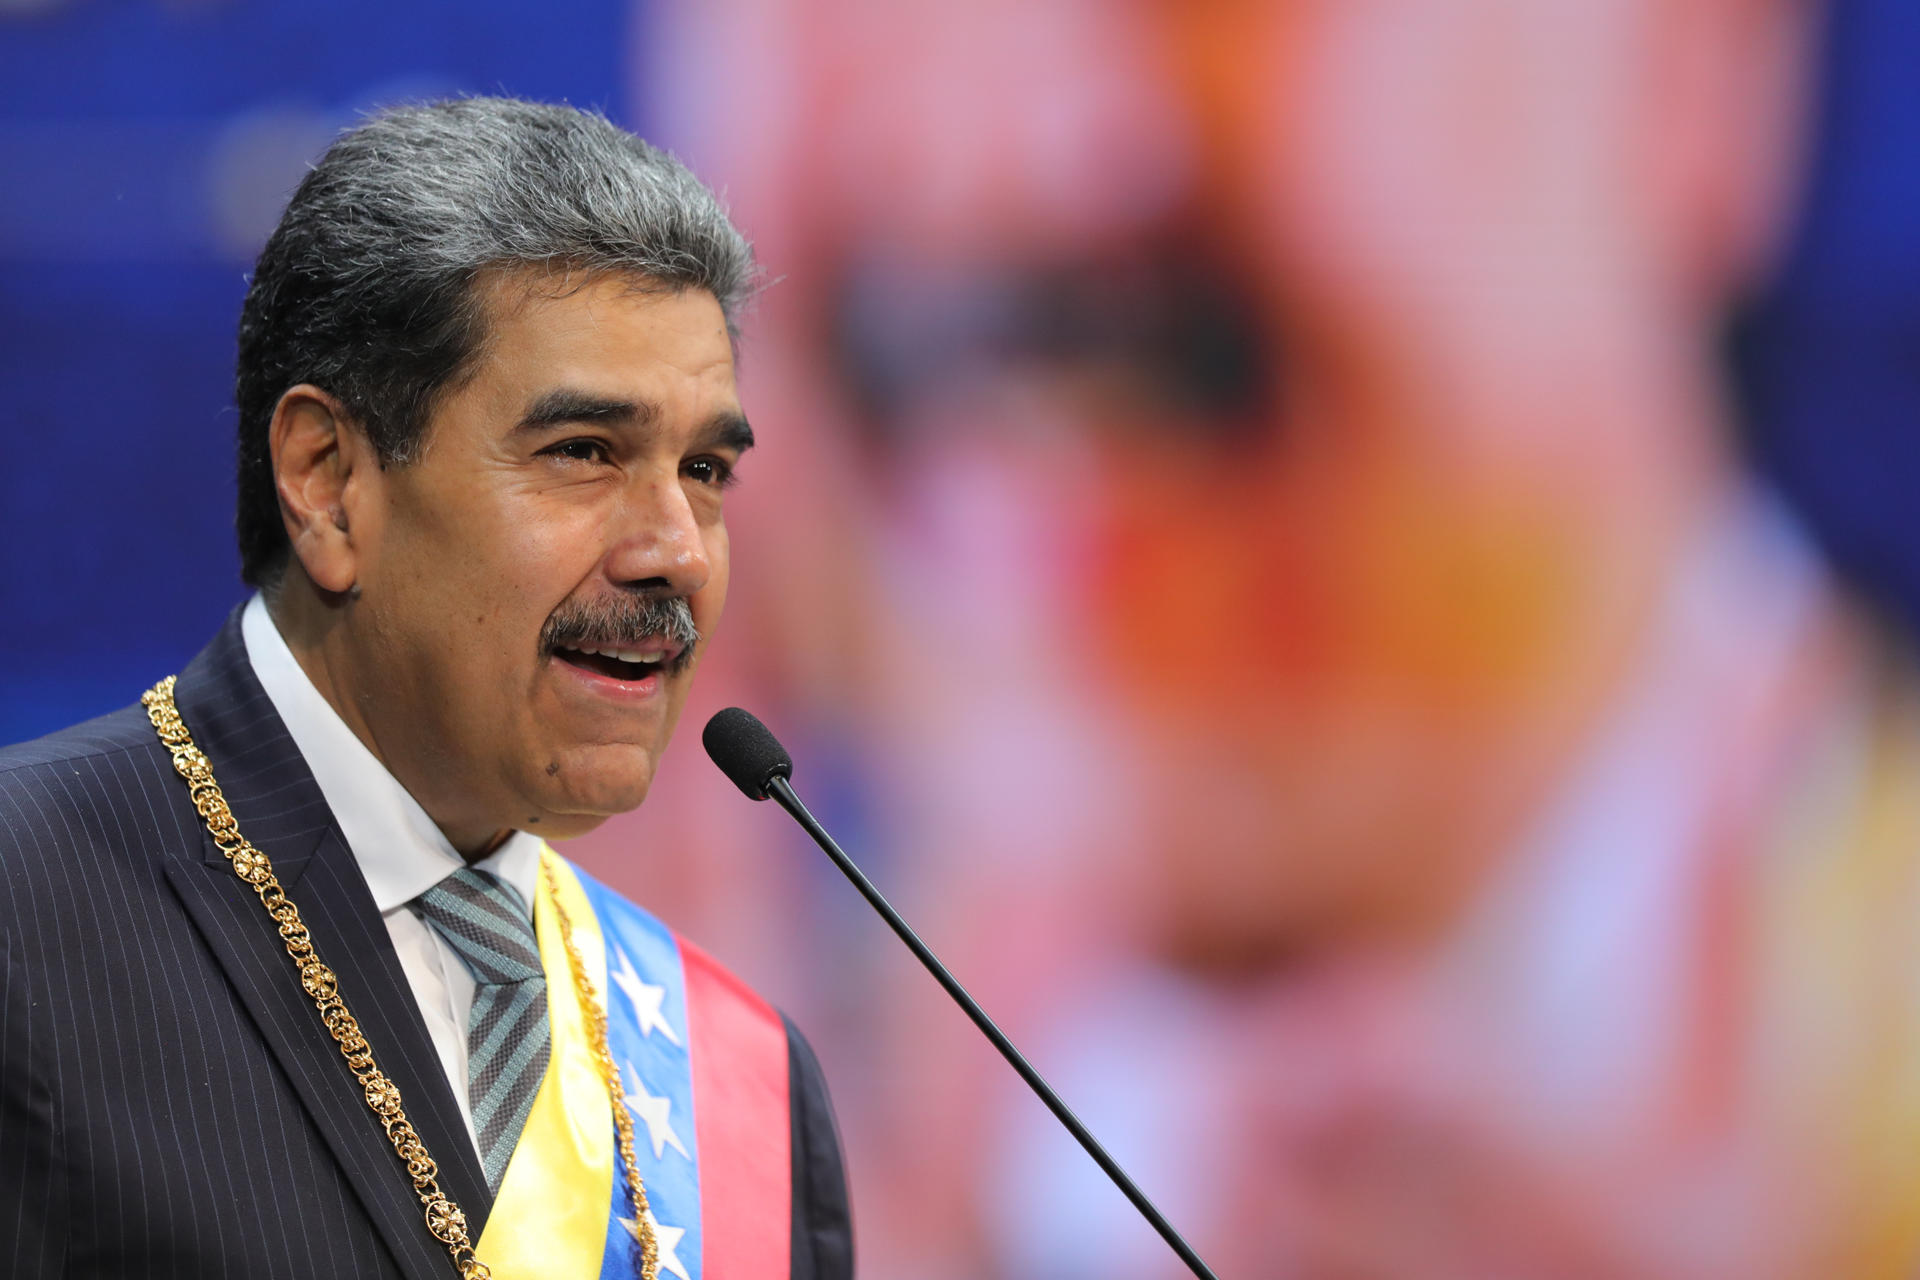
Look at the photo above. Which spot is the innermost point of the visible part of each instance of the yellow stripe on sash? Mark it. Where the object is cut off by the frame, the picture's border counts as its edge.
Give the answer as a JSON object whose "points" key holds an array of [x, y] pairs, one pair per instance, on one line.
{"points": [[549, 1221]]}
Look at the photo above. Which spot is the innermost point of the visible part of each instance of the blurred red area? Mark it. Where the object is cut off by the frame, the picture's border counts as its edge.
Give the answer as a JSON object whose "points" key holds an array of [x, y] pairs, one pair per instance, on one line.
{"points": [[1248, 526]]}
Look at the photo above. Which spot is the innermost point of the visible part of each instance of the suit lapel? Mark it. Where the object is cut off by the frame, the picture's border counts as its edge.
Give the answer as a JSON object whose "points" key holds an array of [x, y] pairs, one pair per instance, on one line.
{"points": [[280, 809]]}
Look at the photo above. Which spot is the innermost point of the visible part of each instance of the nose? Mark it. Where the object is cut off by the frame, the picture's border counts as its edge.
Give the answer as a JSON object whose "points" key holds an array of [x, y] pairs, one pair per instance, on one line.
{"points": [[658, 543]]}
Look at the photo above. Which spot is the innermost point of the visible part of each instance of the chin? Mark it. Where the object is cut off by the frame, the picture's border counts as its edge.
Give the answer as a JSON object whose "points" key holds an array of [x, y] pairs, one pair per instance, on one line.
{"points": [[588, 792], [567, 826]]}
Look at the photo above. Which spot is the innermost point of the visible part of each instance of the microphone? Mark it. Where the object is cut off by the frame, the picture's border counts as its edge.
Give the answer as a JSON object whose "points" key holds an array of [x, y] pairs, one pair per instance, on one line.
{"points": [[746, 751], [749, 754]]}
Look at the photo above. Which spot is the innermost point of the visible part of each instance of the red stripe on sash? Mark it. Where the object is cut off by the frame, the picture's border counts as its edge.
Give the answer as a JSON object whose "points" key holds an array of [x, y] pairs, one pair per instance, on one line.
{"points": [[739, 1052]]}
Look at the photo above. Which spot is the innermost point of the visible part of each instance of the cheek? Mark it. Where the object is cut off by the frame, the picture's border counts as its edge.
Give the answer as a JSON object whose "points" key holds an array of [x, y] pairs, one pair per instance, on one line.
{"points": [[712, 598], [490, 565]]}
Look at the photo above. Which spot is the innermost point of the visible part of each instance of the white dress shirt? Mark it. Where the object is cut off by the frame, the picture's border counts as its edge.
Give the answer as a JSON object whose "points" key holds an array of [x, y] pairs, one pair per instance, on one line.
{"points": [[400, 850]]}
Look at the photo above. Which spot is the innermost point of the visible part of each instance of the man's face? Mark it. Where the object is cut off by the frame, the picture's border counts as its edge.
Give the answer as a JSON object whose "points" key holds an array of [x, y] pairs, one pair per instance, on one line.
{"points": [[577, 474]]}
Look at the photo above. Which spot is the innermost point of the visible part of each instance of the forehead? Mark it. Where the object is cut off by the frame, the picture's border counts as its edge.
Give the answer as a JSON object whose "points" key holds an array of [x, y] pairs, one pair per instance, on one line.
{"points": [[616, 333]]}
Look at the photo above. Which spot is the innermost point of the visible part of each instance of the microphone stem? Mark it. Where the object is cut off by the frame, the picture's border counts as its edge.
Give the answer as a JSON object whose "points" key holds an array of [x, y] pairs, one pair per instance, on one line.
{"points": [[782, 791]]}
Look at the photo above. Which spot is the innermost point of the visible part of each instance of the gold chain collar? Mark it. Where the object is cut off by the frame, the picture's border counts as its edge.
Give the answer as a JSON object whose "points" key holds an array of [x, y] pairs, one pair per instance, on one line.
{"points": [[444, 1218]]}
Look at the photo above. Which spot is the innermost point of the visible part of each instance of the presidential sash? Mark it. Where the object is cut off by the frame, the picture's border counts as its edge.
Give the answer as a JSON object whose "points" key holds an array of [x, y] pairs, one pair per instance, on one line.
{"points": [[703, 1067]]}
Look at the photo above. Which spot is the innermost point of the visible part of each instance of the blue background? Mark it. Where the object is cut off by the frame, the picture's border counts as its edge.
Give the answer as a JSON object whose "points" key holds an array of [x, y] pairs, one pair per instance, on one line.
{"points": [[129, 133], [1830, 361]]}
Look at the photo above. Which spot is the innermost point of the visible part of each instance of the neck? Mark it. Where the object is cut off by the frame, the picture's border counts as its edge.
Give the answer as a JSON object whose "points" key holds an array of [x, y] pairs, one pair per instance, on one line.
{"points": [[318, 629]]}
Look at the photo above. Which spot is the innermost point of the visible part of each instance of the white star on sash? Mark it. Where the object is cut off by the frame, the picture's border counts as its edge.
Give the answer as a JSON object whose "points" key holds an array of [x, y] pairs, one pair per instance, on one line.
{"points": [[654, 1111], [645, 997], [665, 1240]]}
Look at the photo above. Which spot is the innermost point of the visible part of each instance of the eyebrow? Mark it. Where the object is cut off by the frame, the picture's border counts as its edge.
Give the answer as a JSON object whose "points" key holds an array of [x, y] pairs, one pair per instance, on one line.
{"points": [[728, 431], [566, 406]]}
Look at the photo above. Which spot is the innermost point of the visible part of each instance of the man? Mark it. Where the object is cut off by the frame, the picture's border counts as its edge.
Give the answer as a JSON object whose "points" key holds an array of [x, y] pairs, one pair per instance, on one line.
{"points": [[290, 984]]}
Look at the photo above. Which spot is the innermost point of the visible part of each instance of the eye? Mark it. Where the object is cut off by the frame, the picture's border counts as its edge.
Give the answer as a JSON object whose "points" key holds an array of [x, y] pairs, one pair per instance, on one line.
{"points": [[716, 472], [579, 449]]}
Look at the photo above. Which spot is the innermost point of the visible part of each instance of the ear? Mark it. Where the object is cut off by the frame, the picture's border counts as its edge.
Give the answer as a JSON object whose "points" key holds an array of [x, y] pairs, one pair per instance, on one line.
{"points": [[321, 460]]}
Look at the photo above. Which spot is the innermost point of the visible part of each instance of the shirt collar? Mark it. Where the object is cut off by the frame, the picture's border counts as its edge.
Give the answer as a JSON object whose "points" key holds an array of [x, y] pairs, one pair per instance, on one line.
{"points": [[400, 851]]}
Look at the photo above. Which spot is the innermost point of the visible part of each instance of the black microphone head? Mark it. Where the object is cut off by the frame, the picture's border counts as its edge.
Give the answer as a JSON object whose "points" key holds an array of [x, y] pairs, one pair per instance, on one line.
{"points": [[746, 751]]}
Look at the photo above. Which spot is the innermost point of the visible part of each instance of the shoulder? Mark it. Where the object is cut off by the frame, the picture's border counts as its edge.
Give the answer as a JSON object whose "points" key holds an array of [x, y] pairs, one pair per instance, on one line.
{"points": [[61, 784], [90, 798], [118, 731]]}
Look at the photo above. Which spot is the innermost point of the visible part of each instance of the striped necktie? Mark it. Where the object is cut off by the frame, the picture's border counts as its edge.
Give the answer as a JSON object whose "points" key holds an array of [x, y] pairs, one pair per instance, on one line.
{"points": [[507, 1036]]}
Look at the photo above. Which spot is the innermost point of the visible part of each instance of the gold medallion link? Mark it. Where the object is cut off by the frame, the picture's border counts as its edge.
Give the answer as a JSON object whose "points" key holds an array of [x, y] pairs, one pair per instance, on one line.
{"points": [[444, 1218]]}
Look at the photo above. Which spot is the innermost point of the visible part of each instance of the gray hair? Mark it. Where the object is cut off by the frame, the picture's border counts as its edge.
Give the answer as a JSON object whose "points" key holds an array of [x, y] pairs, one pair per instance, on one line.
{"points": [[366, 287]]}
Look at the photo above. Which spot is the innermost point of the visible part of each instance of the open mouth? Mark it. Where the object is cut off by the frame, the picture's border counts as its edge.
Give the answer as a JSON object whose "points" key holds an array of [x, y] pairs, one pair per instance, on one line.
{"points": [[631, 665]]}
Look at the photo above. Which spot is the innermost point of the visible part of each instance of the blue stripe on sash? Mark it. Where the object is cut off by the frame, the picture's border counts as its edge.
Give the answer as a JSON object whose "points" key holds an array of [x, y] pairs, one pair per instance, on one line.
{"points": [[647, 1035]]}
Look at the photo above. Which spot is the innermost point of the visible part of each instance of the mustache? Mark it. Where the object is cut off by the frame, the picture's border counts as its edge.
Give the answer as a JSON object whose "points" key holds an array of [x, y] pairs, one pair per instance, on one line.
{"points": [[622, 622]]}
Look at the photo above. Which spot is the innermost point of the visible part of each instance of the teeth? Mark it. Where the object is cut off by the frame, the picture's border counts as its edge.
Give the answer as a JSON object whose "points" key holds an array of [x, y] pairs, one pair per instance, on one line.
{"points": [[634, 655], [625, 655]]}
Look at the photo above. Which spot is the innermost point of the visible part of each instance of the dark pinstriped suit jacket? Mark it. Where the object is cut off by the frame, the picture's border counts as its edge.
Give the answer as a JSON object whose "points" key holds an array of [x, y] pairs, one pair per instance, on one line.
{"points": [[169, 1105]]}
